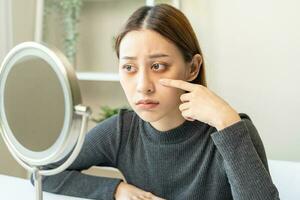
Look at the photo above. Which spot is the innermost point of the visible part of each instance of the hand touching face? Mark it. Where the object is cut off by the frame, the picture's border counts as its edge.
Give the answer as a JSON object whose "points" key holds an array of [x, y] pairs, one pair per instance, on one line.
{"points": [[200, 103]]}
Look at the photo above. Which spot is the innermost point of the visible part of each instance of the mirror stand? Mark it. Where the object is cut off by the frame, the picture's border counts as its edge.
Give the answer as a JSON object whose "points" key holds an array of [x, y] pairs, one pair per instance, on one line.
{"points": [[37, 177], [37, 172]]}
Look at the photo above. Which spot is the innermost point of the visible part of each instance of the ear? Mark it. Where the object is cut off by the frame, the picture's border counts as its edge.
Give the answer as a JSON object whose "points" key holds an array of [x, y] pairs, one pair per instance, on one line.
{"points": [[194, 67]]}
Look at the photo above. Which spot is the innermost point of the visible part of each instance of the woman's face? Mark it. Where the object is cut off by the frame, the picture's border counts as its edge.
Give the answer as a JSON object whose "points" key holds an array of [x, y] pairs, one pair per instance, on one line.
{"points": [[146, 57]]}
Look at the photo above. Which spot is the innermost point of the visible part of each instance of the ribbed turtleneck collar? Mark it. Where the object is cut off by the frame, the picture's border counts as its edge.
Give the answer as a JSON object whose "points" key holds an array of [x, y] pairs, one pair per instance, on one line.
{"points": [[182, 132]]}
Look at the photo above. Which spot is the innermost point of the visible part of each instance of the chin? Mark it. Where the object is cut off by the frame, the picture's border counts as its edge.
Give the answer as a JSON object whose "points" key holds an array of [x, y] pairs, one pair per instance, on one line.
{"points": [[149, 116]]}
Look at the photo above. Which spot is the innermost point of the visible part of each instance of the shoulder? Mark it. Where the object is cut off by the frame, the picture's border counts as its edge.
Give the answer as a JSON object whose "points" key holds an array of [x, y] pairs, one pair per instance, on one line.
{"points": [[126, 119], [126, 115], [107, 135], [117, 122]]}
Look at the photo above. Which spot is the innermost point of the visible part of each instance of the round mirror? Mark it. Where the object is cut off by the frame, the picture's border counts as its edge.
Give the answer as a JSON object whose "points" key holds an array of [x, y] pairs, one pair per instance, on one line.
{"points": [[40, 113], [41, 116]]}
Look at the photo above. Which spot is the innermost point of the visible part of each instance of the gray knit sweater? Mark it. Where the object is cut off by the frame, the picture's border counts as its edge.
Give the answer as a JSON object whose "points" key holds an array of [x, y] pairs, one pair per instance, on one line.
{"points": [[192, 161]]}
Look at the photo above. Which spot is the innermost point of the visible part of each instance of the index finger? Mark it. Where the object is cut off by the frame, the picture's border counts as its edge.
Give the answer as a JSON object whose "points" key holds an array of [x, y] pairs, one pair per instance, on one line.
{"points": [[178, 84]]}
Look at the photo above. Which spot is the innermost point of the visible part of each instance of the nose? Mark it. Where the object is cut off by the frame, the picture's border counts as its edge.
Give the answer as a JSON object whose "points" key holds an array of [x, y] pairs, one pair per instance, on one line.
{"points": [[144, 83]]}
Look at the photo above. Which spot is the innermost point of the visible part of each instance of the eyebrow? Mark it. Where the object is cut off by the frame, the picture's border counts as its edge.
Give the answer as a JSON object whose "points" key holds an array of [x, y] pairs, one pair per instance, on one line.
{"points": [[150, 56]]}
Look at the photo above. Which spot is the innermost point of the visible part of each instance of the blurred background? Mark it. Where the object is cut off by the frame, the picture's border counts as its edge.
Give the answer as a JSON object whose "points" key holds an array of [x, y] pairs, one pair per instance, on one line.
{"points": [[251, 50]]}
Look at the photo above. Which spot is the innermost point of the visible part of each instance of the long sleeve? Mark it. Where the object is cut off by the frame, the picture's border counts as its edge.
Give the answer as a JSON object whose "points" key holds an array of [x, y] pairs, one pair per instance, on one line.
{"points": [[100, 148], [245, 161]]}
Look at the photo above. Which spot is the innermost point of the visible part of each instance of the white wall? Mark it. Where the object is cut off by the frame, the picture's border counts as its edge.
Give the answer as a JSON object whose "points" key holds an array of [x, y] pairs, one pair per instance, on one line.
{"points": [[252, 49], [5, 28], [2, 28]]}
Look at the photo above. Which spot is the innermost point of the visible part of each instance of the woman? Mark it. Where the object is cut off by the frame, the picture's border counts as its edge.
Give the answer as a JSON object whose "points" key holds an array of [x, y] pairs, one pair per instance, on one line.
{"points": [[181, 141]]}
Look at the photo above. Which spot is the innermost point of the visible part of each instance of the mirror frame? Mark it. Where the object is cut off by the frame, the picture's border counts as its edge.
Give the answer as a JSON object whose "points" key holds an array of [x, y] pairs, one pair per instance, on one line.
{"points": [[68, 82]]}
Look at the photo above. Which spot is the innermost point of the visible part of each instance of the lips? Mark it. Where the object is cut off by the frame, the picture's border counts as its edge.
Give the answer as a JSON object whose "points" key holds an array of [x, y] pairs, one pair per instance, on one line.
{"points": [[147, 103]]}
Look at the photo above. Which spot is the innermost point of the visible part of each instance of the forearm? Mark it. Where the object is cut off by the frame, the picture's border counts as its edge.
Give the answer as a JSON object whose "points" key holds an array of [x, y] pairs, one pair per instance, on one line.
{"points": [[75, 183], [247, 174]]}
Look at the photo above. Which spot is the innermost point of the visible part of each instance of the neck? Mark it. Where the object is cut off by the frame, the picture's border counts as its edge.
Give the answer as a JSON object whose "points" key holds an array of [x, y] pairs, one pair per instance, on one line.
{"points": [[168, 122]]}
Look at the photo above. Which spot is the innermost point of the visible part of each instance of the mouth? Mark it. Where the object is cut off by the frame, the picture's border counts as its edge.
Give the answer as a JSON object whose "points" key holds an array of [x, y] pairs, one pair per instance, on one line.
{"points": [[147, 104]]}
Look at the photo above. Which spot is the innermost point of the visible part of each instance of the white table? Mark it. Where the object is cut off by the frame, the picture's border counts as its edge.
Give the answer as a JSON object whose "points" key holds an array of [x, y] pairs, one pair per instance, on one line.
{"points": [[12, 188], [286, 177]]}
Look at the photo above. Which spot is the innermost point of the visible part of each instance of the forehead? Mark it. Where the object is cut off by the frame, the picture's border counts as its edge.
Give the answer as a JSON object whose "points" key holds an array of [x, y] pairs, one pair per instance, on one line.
{"points": [[145, 42]]}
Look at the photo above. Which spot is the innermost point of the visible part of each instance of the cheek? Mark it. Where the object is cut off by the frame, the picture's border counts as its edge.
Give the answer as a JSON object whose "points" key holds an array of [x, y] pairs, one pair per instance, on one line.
{"points": [[176, 72], [125, 86], [170, 95]]}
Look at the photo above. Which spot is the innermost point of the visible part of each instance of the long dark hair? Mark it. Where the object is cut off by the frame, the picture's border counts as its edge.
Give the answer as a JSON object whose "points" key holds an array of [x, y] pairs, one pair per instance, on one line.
{"points": [[170, 23]]}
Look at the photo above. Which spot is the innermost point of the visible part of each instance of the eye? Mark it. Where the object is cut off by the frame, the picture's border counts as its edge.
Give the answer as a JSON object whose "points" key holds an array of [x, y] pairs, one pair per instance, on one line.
{"points": [[158, 67], [129, 68]]}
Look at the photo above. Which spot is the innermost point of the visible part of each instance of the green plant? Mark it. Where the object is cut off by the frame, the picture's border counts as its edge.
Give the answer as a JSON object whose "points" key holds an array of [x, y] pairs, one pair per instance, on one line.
{"points": [[106, 112], [69, 10]]}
